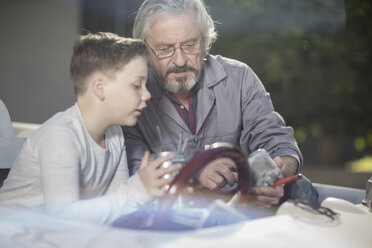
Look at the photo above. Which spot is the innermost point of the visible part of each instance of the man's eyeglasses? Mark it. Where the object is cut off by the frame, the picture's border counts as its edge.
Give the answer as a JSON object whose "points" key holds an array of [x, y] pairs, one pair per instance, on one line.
{"points": [[190, 47]]}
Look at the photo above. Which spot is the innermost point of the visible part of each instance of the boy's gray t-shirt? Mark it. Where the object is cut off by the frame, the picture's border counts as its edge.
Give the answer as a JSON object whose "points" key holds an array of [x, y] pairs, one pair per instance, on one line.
{"points": [[62, 170]]}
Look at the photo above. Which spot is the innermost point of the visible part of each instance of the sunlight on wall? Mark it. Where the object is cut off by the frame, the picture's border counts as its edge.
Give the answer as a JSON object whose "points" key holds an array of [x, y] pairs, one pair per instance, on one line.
{"points": [[361, 165]]}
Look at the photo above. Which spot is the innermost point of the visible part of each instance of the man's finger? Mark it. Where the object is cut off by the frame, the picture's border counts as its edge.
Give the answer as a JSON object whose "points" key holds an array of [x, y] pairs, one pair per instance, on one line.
{"points": [[216, 174], [277, 191], [226, 161], [266, 199], [209, 184], [226, 173], [217, 180]]}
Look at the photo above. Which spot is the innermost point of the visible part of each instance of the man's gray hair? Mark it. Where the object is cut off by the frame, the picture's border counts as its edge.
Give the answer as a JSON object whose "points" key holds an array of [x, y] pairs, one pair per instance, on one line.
{"points": [[150, 8]]}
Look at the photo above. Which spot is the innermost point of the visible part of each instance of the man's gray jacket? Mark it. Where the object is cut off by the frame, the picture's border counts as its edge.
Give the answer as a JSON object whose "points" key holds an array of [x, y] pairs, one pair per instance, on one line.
{"points": [[232, 106]]}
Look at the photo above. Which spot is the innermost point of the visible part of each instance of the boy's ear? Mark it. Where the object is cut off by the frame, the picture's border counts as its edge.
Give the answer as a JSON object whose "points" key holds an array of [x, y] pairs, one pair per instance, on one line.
{"points": [[98, 89]]}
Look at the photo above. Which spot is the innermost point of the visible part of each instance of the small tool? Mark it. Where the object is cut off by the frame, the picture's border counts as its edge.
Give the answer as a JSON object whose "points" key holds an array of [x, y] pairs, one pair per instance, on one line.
{"points": [[286, 180]]}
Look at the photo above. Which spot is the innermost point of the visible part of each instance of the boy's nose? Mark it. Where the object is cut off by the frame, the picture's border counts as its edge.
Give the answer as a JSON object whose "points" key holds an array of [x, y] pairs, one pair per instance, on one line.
{"points": [[146, 95]]}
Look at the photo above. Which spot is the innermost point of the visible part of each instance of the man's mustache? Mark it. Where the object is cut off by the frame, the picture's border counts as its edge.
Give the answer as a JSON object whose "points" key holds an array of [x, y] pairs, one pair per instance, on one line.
{"points": [[178, 69]]}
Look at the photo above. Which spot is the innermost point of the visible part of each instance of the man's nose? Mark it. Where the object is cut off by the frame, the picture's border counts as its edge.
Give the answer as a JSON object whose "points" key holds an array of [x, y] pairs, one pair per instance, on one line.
{"points": [[179, 58]]}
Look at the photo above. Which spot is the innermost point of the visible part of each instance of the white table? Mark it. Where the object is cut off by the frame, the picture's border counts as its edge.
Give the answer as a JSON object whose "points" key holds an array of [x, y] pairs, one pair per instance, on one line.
{"points": [[290, 227]]}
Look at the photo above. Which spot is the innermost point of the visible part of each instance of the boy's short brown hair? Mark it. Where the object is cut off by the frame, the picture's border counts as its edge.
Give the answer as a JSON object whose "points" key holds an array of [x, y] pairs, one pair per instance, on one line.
{"points": [[103, 52]]}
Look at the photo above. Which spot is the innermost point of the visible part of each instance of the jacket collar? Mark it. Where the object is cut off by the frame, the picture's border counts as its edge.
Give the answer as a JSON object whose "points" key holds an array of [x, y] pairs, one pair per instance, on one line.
{"points": [[211, 75], [213, 72]]}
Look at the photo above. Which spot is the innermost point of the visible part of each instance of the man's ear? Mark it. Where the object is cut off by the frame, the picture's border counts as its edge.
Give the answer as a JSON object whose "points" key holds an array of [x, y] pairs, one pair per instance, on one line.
{"points": [[98, 88]]}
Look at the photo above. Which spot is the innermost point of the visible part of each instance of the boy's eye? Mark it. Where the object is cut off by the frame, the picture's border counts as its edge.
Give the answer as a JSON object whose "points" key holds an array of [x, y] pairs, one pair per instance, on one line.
{"points": [[137, 86]]}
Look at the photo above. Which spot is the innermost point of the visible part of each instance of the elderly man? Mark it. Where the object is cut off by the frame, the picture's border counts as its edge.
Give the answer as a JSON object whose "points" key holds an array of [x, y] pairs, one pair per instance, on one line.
{"points": [[206, 98]]}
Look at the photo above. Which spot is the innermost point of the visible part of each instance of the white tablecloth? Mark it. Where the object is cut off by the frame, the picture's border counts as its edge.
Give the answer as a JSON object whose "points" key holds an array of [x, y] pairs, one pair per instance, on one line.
{"points": [[290, 227]]}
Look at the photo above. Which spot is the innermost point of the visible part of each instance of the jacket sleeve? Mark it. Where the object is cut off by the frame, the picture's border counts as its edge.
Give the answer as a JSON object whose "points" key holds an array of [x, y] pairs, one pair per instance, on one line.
{"points": [[263, 127]]}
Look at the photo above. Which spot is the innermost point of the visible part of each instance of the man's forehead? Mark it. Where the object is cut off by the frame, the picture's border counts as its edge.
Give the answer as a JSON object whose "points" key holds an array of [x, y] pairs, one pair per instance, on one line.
{"points": [[171, 28]]}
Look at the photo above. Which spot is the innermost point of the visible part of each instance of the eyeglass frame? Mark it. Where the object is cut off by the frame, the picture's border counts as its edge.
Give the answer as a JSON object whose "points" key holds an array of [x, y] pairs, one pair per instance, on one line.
{"points": [[174, 50]]}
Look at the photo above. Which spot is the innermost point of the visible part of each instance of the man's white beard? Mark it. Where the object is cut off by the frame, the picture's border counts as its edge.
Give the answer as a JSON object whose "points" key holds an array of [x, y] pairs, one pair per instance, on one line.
{"points": [[181, 87]]}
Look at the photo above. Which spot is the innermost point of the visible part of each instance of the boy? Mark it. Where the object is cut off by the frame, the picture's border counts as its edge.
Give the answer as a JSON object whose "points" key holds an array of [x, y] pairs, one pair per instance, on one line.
{"points": [[75, 164]]}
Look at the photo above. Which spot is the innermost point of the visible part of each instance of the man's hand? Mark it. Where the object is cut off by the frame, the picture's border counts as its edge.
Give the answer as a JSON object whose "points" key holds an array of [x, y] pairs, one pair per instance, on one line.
{"points": [[271, 195], [288, 164], [217, 173], [268, 195]]}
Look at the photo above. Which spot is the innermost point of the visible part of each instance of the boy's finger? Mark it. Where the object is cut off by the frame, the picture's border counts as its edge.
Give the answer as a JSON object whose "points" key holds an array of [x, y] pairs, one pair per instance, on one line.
{"points": [[157, 191], [162, 171], [157, 162], [145, 159], [162, 182]]}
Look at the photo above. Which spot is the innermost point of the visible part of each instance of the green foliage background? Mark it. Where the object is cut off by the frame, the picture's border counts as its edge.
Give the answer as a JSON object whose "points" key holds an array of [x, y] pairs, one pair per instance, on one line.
{"points": [[314, 57]]}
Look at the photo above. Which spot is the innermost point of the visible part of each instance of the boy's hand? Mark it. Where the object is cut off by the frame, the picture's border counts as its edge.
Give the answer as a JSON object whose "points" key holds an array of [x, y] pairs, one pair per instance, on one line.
{"points": [[152, 174]]}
